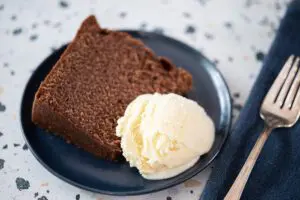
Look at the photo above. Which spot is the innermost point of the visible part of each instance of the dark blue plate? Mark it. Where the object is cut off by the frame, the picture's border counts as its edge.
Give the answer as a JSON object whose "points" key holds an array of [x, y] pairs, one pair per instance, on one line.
{"points": [[82, 169]]}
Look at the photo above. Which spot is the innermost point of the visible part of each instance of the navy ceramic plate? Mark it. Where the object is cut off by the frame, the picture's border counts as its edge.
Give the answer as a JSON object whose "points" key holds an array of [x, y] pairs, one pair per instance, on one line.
{"points": [[82, 169]]}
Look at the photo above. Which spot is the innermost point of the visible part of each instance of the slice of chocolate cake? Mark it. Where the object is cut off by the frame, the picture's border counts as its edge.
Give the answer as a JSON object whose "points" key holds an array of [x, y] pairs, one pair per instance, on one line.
{"points": [[89, 88]]}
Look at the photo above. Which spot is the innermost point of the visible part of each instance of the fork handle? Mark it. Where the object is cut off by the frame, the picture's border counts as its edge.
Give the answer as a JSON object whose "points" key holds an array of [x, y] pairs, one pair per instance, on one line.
{"points": [[238, 186]]}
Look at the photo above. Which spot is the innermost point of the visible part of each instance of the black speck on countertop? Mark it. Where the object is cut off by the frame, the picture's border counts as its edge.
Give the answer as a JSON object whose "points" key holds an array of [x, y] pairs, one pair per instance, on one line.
{"points": [[12, 72], [42, 198], [36, 194], [260, 56], [250, 3], [13, 17], [230, 59], [1, 6], [48, 191], [33, 37], [169, 198], [209, 36], [77, 197], [277, 6], [202, 2], [190, 29], [5, 64], [191, 191], [2, 107], [22, 184], [25, 147], [186, 15], [5, 146], [17, 31], [158, 30], [34, 25], [16, 144], [1, 133], [63, 4], [46, 22], [2, 163], [143, 25], [228, 25], [236, 95], [123, 14]]}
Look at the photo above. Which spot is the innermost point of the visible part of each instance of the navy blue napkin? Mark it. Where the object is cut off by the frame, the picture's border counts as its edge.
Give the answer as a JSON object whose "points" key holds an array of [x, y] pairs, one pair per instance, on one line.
{"points": [[276, 174]]}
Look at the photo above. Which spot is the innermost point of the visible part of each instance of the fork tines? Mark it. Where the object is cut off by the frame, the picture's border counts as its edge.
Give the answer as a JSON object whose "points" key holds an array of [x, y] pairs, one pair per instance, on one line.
{"points": [[285, 90]]}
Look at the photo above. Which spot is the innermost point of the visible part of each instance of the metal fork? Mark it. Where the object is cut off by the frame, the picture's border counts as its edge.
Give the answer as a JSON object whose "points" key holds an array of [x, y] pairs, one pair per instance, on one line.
{"points": [[280, 108]]}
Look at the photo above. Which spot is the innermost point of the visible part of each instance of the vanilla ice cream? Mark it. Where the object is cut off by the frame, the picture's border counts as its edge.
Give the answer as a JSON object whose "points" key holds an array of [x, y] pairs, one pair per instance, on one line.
{"points": [[164, 135]]}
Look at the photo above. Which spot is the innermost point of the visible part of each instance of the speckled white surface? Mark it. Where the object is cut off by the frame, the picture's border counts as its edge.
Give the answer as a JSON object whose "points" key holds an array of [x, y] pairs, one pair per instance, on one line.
{"points": [[234, 34]]}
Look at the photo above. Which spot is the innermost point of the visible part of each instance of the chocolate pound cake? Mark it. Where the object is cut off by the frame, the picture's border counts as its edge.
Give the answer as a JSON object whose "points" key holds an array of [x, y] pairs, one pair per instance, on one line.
{"points": [[97, 76]]}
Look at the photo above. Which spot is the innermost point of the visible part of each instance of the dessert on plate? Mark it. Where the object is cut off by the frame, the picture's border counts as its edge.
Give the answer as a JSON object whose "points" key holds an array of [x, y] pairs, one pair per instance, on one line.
{"points": [[111, 96], [90, 86]]}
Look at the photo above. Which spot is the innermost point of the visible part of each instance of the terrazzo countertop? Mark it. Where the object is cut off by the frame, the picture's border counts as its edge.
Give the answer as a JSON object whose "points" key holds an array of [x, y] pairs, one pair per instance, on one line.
{"points": [[234, 34]]}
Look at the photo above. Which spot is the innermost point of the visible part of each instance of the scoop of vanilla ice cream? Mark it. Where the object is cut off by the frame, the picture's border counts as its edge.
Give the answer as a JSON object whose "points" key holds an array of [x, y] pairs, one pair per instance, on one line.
{"points": [[164, 134]]}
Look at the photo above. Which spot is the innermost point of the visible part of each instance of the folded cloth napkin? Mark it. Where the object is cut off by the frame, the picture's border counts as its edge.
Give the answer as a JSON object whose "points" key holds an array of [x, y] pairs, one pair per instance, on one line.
{"points": [[276, 174]]}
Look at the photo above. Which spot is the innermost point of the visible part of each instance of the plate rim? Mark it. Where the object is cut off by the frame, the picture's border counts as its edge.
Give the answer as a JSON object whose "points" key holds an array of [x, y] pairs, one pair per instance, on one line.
{"points": [[227, 105]]}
